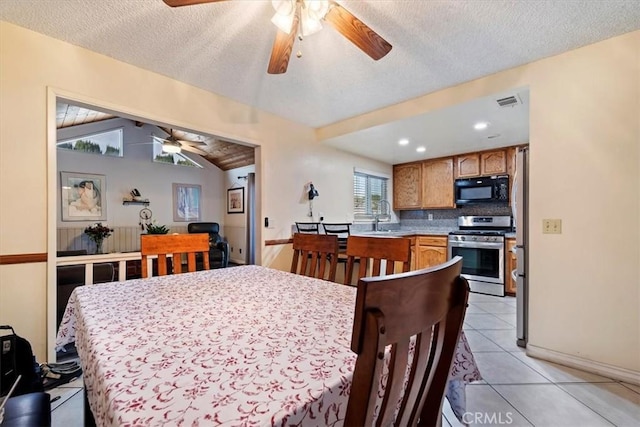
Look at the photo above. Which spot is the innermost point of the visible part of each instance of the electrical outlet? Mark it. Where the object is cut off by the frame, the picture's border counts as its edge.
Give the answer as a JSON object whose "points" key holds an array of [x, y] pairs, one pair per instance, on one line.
{"points": [[430, 217], [552, 226]]}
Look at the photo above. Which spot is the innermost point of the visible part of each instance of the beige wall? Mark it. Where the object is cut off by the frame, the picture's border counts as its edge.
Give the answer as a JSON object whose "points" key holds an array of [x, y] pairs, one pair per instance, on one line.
{"points": [[35, 68], [584, 169], [584, 130]]}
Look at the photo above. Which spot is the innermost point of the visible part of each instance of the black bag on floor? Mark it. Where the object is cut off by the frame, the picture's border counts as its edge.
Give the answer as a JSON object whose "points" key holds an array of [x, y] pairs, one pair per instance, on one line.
{"points": [[16, 358]]}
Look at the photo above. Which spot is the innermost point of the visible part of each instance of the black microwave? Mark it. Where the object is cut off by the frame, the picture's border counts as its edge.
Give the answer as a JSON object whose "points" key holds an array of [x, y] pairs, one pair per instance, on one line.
{"points": [[487, 189]]}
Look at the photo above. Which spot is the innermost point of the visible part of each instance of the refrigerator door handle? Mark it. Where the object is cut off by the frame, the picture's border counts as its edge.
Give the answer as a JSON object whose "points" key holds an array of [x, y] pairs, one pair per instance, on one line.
{"points": [[520, 260]]}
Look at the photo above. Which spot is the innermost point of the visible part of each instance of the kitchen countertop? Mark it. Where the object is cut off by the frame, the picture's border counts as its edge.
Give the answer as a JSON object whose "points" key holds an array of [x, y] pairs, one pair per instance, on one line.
{"points": [[431, 231]]}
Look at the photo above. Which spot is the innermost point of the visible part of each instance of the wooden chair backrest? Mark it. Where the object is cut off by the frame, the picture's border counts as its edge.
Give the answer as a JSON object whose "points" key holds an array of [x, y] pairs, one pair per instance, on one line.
{"points": [[372, 250], [176, 245], [315, 255], [423, 311]]}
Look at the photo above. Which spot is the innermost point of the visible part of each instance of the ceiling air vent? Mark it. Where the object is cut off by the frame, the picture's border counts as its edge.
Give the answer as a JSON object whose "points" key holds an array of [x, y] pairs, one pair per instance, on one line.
{"points": [[509, 101]]}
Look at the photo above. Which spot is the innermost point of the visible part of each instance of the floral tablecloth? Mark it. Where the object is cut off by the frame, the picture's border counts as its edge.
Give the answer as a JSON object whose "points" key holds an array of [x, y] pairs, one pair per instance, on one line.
{"points": [[237, 346]]}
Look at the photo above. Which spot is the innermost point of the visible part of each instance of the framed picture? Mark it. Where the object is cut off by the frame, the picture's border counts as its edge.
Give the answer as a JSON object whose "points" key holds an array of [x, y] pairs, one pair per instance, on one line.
{"points": [[83, 196], [186, 202], [235, 200]]}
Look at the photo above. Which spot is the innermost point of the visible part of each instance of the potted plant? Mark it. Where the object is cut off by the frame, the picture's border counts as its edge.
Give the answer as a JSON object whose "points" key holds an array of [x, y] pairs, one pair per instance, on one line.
{"points": [[97, 233], [156, 229]]}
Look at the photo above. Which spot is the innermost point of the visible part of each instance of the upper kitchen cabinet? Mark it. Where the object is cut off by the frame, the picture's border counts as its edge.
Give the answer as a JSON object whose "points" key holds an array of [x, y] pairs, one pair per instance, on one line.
{"points": [[423, 185], [468, 165], [437, 183], [484, 163], [407, 186]]}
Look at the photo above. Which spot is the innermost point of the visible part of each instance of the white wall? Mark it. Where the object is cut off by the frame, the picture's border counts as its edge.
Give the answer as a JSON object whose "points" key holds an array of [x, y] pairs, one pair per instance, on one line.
{"points": [[136, 169], [235, 229]]}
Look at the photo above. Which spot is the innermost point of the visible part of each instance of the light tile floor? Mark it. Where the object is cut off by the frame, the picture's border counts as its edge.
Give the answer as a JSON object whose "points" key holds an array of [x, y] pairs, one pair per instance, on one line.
{"points": [[517, 390]]}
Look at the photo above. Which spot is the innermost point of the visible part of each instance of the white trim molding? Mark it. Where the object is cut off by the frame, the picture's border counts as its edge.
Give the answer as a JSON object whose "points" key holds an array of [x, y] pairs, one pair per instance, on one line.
{"points": [[609, 371]]}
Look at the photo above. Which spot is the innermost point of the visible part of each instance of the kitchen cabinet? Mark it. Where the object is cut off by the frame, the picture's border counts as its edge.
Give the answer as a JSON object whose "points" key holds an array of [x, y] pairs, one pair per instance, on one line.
{"points": [[407, 186], [437, 183], [493, 162], [480, 164], [468, 165], [510, 265], [428, 251], [429, 184]]}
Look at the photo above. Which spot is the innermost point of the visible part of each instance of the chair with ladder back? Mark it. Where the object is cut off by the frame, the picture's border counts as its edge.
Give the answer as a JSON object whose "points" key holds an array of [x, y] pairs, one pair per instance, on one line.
{"points": [[174, 245], [308, 227], [411, 323], [315, 255], [343, 231], [370, 252]]}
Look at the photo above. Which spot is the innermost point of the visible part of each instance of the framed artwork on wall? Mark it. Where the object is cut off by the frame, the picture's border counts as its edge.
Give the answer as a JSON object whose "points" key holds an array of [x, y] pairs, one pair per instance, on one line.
{"points": [[186, 202], [83, 196], [235, 200]]}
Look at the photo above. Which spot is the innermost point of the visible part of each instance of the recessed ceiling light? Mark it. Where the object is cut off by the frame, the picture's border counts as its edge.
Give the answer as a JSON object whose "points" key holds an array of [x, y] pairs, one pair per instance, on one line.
{"points": [[403, 141], [480, 125], [421, 149]]}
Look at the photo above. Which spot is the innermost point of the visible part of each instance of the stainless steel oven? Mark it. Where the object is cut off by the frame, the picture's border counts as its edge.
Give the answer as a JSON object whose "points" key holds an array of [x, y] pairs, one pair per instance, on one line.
{"points": [[481, 244]]}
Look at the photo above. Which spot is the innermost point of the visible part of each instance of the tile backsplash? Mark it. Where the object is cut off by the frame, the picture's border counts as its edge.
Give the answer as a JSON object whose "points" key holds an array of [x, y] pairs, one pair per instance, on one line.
{"points": [[448, 217]]}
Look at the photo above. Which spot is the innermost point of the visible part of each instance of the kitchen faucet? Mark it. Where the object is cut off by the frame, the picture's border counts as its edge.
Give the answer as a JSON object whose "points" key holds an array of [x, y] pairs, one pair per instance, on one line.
{"points": [[376, 217]]}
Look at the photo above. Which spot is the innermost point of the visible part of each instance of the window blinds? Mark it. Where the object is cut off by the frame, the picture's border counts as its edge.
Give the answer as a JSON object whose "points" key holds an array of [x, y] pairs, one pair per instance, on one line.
{"points": [[368, 190]]}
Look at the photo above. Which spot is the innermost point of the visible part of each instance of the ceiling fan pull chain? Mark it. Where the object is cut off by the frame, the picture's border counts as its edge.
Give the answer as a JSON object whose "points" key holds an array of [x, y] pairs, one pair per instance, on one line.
{"points": [[300, 38]]}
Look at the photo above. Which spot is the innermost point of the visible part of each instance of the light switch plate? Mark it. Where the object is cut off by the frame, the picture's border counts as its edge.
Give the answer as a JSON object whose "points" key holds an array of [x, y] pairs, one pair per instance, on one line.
{"points": [[552, 226]]}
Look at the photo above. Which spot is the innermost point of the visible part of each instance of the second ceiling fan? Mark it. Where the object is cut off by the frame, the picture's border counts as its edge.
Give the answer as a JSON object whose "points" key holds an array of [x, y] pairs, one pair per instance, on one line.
{"points": [[302, 17]]}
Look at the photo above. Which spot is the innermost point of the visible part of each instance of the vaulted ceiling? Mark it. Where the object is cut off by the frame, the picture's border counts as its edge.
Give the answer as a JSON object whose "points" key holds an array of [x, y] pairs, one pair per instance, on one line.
{"points": [[225, 155]]}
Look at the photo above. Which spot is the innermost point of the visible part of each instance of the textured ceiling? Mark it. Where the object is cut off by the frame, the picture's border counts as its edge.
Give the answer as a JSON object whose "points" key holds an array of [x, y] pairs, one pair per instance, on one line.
{"points": [[224, 47]]}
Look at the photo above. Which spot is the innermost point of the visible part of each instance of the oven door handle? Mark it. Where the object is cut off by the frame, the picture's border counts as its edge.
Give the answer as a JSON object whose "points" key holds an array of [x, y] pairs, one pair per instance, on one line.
{"points": [[477, 245]]}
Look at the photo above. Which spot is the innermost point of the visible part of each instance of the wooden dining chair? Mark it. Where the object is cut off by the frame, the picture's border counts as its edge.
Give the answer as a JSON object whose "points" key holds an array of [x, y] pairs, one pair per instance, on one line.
{"points": [[369, 252], [176, 245], [412, 322], [315, 255]]}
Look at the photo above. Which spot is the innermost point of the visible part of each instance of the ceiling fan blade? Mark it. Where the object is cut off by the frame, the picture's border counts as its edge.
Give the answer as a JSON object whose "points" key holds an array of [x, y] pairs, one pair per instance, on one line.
{"points": [[186, 141], [195, 150], [357, 31], [178, 3], [282, 47]]}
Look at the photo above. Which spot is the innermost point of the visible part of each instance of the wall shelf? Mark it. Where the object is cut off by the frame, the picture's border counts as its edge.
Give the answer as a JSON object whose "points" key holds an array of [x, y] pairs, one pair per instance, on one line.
{"points": [[136, 202]]}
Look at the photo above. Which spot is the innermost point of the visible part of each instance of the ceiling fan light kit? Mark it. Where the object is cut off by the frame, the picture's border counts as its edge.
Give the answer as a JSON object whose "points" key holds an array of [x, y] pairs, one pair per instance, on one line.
{"points": [[312, 12], [302, 18], [171, 147]]}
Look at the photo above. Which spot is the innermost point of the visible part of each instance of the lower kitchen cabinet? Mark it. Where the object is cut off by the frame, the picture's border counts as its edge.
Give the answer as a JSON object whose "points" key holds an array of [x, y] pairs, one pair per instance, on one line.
{"points": [[428, 251], [510, 265]]}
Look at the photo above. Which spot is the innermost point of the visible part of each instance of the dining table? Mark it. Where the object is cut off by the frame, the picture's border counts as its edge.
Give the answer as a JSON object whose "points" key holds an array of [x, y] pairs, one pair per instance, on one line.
{"points": [[240, 346]]}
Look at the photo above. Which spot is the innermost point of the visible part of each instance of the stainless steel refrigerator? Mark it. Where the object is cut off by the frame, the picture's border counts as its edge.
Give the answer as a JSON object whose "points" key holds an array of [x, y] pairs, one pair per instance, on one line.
{"points": [[520, 207]]}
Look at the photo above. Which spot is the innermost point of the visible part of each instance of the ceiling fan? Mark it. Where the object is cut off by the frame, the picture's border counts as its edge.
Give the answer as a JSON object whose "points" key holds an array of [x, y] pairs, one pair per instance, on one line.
{"points": [[172, 144], [302, 17]]}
